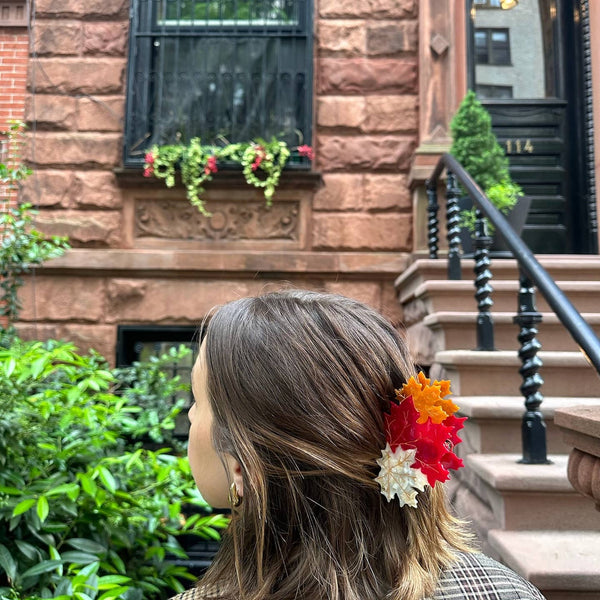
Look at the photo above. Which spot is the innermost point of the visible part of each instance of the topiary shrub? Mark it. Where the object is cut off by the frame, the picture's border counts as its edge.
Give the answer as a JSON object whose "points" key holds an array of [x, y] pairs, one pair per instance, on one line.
{"points": [[476, 148]]}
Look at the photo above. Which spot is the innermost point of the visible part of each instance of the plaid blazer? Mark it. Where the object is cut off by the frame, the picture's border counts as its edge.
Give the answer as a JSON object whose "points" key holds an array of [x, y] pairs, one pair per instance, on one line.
{"points": [[472, 577]]}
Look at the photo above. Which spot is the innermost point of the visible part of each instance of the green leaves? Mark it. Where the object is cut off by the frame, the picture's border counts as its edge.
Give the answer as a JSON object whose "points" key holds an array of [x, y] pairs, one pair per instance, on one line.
{"points": [[7, 563], [22, 246], [23, 506], [476, 148], [85, 511], [262, 162], [42, 508]]}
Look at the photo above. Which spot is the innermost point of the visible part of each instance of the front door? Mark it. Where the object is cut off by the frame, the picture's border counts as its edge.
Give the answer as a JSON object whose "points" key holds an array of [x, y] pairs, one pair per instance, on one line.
{"points": [[528, 67]]}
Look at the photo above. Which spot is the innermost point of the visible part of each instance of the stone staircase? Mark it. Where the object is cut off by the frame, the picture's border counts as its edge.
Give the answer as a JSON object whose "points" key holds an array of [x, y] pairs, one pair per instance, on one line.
{"points": [[527, 516]]}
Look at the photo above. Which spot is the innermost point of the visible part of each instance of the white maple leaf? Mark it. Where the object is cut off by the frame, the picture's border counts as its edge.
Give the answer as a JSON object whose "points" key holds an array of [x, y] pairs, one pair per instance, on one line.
{"points": [[397, 477]]}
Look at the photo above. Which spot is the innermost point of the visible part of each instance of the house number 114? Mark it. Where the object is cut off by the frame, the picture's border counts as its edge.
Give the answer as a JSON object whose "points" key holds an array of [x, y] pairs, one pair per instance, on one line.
{"points": [[519, 146]]}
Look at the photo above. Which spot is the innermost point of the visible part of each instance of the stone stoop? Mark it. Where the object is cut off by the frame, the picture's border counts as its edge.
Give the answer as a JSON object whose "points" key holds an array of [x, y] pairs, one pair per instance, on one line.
{"points": [[456, 329], [513, 506], [438, 295], [494, 423], [496, 373], [516, 496], [440, 314], [564, 564], [527, 516], [561, 267]]}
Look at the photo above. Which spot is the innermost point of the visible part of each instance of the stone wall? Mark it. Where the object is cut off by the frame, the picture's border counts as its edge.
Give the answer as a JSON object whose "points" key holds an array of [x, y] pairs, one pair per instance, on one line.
{"points": [[349, 231], [366, 122]]}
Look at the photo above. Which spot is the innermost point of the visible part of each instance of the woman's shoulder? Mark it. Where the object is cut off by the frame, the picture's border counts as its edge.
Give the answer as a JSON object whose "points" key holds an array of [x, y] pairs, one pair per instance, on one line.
{"points": [[476, 576], [192, 594], [472, 576]]}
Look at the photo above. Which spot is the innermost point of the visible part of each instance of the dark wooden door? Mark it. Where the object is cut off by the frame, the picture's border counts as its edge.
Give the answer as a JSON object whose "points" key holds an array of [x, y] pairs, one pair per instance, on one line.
{"points": [[527, 65]]}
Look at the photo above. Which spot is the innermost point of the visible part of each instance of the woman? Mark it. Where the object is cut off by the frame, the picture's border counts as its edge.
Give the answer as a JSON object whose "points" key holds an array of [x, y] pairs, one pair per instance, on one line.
{"points": [[307, 423]]}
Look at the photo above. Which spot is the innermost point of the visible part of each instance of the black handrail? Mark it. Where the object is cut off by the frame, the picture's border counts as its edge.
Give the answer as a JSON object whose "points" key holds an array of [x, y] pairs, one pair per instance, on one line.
{"points": [[531, 274]]}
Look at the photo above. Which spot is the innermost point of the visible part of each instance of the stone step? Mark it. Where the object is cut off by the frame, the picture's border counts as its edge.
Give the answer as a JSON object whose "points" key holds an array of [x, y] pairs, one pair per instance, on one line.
{"points": [[564, 565], [494, 423], [456, 296], [456, 330], [496, 373], [498, 492], [562, 267], [459, 330]]}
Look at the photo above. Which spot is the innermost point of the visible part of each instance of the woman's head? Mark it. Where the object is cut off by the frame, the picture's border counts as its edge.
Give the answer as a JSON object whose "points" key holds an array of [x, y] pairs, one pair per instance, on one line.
{"points": [[296, 385]]}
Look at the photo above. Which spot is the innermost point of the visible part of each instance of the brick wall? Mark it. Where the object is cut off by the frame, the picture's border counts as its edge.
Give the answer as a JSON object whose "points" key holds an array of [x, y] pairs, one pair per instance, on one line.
{"points": [[14, 52], [353, 236]]}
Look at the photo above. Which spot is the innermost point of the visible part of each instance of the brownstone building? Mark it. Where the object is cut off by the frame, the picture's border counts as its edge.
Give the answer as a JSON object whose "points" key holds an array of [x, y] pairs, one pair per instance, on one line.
{"points": [[383, 79], [372, 86]]}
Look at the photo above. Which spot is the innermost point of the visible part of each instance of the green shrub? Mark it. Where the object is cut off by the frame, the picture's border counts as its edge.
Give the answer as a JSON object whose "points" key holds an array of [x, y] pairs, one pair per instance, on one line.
{"points": [[156, 397], [476, 148], [84, 513], [22, 247]]}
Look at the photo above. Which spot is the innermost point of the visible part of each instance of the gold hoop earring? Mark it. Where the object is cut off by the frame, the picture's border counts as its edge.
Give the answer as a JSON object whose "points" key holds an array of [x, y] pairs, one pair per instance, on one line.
{"points": [[234, 499]]}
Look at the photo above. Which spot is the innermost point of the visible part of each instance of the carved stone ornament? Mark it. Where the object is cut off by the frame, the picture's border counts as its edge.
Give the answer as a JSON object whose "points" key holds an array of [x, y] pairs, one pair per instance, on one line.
{"points": [[584, 474], [439, 44], [229, 221]]}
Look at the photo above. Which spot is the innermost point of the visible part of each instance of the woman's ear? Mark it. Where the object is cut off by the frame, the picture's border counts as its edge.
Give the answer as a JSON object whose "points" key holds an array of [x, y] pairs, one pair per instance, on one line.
{"points": [[235, 474]]}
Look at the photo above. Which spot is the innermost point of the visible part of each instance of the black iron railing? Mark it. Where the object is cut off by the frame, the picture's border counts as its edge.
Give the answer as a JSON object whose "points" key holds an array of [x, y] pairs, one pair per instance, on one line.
{"points": [[531, 276]]}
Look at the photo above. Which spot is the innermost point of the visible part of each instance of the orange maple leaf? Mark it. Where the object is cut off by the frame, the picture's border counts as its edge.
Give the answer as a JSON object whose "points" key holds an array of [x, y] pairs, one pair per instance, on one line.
{"points": [[428, 398]]}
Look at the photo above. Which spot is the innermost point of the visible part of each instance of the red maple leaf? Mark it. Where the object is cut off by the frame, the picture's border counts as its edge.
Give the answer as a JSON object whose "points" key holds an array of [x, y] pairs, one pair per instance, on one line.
{"points": [[455, 424], [400, 423], [433, 442]]}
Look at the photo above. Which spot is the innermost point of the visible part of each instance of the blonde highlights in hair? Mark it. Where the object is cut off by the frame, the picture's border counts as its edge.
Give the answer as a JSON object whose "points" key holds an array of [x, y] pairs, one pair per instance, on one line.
{"points": [[298, 383]]}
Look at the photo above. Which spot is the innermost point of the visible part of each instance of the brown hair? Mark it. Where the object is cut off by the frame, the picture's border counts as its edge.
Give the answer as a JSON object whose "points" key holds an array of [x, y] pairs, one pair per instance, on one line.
{"points": [[298, 383]]}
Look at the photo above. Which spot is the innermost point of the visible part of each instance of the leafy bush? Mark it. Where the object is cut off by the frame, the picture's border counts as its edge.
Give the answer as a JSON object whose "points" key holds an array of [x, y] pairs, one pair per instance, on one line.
{"points": [[476, 148], [84, 513], [156, 397], [22, 247]]}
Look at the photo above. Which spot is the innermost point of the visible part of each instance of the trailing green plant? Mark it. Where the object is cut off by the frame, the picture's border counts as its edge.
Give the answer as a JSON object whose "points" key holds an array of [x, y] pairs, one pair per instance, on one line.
{"points": [[262, 163], [22, 247], [84, 513], [476, 148]]}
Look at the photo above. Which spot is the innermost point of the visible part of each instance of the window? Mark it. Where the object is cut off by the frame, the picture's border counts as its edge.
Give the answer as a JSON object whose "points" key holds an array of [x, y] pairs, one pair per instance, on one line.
{"points": [[225, 70], [493, 91], [492, 47], [140, 343]]}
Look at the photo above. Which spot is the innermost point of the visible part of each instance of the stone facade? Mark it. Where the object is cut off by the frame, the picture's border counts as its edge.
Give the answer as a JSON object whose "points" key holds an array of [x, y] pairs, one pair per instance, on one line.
{"points": [[140, 254]]}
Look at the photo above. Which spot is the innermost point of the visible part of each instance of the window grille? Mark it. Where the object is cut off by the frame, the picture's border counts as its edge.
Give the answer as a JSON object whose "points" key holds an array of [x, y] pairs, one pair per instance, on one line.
{"points": [[225, 71]]}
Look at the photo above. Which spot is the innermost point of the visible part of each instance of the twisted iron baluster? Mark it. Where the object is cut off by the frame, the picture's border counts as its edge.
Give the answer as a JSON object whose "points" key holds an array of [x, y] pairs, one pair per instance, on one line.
{"points": [[432, 219], [453, 223], [533, 426], [483, 289]]}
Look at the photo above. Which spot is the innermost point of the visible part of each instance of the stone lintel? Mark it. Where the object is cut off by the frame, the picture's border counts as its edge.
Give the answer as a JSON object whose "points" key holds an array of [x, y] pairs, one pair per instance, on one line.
{"points": [[182, 263]]}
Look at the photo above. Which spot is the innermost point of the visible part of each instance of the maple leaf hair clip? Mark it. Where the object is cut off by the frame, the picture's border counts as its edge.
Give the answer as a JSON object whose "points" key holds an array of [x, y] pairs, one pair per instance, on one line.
{"points": [[420, 432]]}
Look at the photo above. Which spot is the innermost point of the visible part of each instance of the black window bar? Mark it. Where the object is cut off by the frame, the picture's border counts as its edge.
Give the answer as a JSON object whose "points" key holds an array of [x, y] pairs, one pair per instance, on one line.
{"points": [[225, 71]]}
